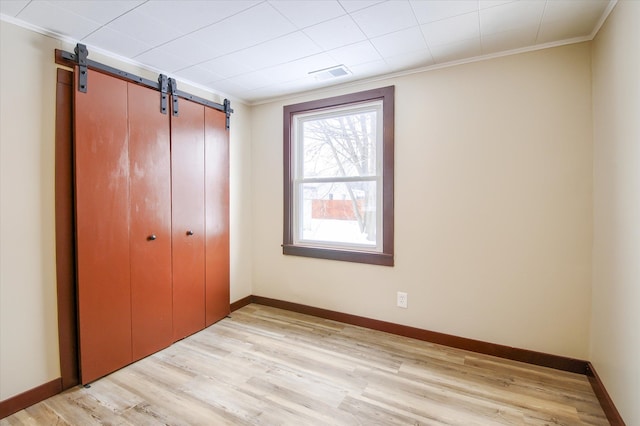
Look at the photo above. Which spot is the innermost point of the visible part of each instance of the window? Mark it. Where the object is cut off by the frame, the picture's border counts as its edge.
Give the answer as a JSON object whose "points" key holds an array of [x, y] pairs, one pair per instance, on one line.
{"points": [[338, 178]]}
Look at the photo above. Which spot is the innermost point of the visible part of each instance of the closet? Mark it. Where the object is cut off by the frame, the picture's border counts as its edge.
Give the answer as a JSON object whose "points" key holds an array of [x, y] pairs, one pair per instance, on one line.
{"points": [[152, 221]]}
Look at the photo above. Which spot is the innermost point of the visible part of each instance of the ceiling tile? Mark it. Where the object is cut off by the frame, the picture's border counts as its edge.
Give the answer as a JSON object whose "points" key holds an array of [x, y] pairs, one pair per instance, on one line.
{"points": [[277, 51], [191, 49], [353, 5], [99, 11], [189, 15], [588, 10], [251, 81], [511, 16], [409, 60], [116, 42], [456, 51], [508, 40], [310, 83], [277, 90], [245, 29], [335, 33], [227, 66], [13, 7], [435, 10], [400, 42], [562, 20], [198, 74], [144, 27], [230, 88], [452, 30], [371, 69], [556, 30], [354, 54], [299, 69], [161, 60], [384, 18], [47, 15], [485, 4], [298, 11], [265, 93]]}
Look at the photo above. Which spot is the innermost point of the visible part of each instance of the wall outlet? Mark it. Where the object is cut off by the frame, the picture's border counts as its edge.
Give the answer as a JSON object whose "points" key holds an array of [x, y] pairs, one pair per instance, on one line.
{"points": [[402, 299]]}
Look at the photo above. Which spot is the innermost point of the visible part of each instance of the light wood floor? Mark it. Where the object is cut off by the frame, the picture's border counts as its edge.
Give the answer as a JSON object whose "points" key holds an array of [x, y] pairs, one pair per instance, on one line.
{"points": [[273, 367]]}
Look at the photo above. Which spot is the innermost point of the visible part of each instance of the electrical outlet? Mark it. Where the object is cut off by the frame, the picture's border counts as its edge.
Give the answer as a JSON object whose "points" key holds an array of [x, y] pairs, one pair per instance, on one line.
{"points": [[402, 299]]}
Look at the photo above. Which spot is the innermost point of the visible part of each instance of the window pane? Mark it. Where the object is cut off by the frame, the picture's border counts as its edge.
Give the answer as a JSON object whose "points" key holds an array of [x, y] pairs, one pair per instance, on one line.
{"points": [[340, 145], [342, 213]]}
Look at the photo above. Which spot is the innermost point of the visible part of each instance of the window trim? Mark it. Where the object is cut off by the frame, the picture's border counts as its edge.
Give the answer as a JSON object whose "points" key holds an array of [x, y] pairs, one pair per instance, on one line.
{"points": [[299, 180], [386, 257]]}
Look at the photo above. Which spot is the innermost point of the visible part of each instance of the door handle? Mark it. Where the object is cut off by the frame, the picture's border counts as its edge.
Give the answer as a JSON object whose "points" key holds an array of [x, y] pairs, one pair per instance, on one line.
{"points": [[189, 232], [151, 237]]}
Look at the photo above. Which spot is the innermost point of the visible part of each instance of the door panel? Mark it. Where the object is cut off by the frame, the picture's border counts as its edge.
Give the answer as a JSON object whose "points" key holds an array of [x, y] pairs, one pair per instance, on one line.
{"points": [[150, 170], [102, 226], [187, 175], [217, 215]]}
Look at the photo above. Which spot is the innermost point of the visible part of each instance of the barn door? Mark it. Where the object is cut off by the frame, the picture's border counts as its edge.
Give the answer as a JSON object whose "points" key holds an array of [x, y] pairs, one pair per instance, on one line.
{"points": [[217, 215], [188, 238], [123, 219], [102, 226], [152, 220], [150, 236]]}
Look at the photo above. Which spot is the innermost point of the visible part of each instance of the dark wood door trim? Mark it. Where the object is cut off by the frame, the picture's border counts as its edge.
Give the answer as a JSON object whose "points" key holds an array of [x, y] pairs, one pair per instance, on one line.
{"points": [[65, 232]]}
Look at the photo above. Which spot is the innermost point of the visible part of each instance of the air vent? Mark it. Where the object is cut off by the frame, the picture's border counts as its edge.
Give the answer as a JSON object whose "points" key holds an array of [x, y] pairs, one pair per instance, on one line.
{"points": [[329, 73]]}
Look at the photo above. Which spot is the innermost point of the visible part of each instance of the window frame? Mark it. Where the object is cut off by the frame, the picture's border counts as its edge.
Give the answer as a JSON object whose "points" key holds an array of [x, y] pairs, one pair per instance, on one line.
{"points": [[289, 247]]}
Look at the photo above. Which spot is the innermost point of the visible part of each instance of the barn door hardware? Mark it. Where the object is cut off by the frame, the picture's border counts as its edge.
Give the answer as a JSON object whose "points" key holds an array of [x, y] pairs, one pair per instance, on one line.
{"points": [[227, 111], [163, 85], [80, 58], [173, 86], [82, 52]]}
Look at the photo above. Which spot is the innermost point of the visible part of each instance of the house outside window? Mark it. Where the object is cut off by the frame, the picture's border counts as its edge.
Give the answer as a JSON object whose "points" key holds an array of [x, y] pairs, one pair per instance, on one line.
{"points": [[338, 183]]}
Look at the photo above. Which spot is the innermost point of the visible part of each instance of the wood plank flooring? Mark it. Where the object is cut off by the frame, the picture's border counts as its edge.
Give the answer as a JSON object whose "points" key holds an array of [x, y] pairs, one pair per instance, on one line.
{"points": [[266, 366]]}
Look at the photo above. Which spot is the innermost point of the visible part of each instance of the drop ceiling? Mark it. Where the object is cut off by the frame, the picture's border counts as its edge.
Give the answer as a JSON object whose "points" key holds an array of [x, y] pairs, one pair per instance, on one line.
{"points": [[258, 50]]}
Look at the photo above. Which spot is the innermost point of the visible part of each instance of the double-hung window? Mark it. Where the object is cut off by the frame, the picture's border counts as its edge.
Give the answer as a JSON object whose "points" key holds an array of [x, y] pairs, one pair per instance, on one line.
{"points": [[338, 183]]}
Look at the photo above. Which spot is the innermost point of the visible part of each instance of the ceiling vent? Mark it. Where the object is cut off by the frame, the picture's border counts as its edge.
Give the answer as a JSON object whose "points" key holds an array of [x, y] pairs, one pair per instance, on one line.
{"points": [[329, 73]]}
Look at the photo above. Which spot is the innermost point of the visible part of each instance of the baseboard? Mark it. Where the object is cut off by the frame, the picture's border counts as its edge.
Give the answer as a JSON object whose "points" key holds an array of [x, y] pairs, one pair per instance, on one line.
{"points": [[30, 397], [241, 303], [605, 400], [516, 354]]}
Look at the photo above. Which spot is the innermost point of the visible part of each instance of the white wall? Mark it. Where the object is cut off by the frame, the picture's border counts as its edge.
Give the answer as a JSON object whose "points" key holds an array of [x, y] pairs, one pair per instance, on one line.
{"points": [[493, 167], [28, 308], [615, 320]]}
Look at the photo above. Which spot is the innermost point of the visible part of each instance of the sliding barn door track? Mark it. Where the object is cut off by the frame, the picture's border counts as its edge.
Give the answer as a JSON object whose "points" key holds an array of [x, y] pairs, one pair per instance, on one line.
{"points": [[165, 85]]}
